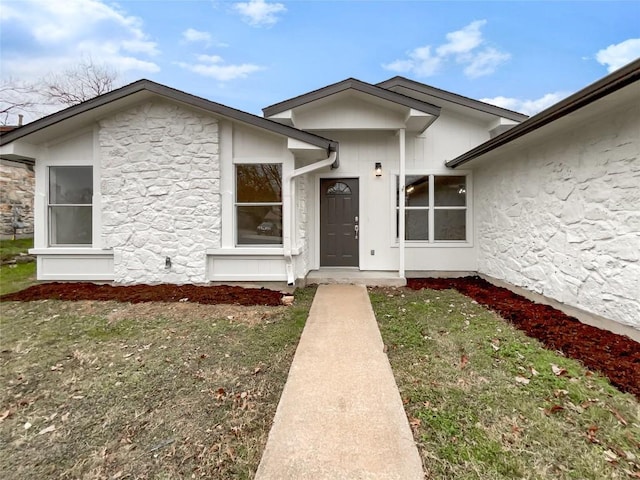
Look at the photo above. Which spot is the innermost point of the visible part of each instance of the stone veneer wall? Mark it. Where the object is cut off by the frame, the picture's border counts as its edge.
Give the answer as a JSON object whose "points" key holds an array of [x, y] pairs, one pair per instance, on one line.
{"points": [[562, 217], [17, 185], [160, 192]]}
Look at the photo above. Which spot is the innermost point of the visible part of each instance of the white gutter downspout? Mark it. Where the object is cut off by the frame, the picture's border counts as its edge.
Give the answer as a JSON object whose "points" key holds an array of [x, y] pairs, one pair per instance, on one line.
{"points": [[288, 194], [401, 220]]}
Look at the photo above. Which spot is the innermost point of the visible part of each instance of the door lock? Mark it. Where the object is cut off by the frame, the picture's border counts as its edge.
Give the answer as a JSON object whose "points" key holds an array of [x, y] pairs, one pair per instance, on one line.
{"points": [[356, 228]]}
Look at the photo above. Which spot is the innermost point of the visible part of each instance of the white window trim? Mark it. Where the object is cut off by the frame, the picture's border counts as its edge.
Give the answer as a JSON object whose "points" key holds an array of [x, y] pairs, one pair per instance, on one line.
{"points": [[236, 204], [49, 205], [431, 208]]}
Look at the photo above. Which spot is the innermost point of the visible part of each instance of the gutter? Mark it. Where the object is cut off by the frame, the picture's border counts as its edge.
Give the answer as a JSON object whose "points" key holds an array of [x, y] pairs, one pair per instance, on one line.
{"points": [[603, 87], [289, 199]]}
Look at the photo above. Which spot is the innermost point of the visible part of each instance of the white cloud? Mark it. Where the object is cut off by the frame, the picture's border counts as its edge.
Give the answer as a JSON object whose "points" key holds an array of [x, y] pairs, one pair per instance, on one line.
{"points": [[618, 55], [465, 46], [66, 30], [528, 107], [191, 35], [464, 40], [213, 66], [485, 62], [259, 13]]}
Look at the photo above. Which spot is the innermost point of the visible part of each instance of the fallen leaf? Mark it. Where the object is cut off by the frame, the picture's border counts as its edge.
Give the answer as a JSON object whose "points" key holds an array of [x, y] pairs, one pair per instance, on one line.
{"points": [[610, 457], [618, 416], [560, 393], [5, 414], [534, 372], [415, 422], [558, 371], [591, 434], [257, 370], [27, 425], [463, 361], [553, 409], [522, 380], [49, 429]]}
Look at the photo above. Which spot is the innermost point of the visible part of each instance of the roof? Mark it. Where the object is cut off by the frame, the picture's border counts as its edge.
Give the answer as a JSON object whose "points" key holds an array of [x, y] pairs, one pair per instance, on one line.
{"points": [[611, 83], [402, 82], [351, 84], [171, 94]]}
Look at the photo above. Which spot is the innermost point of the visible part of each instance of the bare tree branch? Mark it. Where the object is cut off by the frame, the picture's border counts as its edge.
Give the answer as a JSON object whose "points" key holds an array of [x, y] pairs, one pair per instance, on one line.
{"points": [[80, 83], [57, 90]]}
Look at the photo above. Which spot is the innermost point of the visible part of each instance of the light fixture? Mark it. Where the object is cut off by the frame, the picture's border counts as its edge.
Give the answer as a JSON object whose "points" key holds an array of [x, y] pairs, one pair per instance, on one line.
{"points": [[462, 189], [378, 169], [410, 189]]}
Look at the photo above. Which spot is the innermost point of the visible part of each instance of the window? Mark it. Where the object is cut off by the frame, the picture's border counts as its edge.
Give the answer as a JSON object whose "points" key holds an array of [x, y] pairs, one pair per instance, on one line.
{"points": [[259, 204], [435, 208], [70, 205]]}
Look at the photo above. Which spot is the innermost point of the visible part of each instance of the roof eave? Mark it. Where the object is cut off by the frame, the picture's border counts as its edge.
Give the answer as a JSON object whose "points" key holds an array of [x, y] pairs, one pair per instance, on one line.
{"points": [[172, 94], [599, 89], [354, 84], [399, 81]]}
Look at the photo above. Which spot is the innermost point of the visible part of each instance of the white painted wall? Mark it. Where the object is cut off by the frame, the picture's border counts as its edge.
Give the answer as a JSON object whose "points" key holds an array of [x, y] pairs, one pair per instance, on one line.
{"points": [[359, 151], [161, 192], [560, 214]]}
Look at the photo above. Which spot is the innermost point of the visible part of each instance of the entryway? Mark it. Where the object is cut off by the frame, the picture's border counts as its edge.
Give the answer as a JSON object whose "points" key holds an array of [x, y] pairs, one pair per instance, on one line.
{"points": [[339, 222]]}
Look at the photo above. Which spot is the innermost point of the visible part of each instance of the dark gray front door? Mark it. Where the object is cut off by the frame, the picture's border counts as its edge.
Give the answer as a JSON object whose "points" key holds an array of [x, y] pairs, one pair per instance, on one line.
{"points": [[339, 222]]}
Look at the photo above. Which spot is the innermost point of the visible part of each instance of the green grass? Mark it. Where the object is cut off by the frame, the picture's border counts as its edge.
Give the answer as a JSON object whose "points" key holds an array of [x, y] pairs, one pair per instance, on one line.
{"points": [[12, 248], [17, 277], [485, 403], [109, 390]]}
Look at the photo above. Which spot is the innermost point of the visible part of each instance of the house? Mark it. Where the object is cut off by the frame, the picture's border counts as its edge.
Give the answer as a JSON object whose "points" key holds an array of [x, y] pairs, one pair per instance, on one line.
{"points": [[148, 184], [17, 185]]}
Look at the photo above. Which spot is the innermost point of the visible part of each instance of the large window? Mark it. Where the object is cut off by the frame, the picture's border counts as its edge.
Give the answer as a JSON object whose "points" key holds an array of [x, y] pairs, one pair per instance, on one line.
{"points": [[259, 204], [435, 208], [70, 205]]}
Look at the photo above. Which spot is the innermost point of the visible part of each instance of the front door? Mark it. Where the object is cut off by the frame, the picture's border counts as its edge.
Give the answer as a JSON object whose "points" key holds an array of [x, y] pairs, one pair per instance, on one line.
{"points": [[339, 222]]}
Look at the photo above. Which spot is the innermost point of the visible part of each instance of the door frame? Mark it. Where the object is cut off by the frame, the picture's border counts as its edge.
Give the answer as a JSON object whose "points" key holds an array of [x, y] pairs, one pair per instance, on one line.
{"points": [[315, 262]]}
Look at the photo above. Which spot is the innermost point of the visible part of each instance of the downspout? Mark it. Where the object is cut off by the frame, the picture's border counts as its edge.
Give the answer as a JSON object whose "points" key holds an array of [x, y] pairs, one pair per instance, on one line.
{"points": [[401, 212], [288, 194]]}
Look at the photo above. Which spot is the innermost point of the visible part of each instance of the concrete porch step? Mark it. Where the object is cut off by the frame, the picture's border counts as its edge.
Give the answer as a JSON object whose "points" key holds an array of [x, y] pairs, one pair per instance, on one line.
{"points": [[373, 278]]}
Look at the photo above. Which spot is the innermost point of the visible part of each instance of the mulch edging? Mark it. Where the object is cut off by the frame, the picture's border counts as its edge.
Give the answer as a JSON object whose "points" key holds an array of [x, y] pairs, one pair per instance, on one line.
{"points": [[615, 356], [208, 295]]}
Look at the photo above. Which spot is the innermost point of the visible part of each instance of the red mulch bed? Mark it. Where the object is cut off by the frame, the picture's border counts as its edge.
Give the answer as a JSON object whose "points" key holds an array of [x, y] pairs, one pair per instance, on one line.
{"points": [[218, 294], [615, 356]]}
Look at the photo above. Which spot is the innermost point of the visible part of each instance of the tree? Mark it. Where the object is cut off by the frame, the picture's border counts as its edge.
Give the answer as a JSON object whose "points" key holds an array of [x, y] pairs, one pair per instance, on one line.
{"points": [[80, 83], [69, 87]]}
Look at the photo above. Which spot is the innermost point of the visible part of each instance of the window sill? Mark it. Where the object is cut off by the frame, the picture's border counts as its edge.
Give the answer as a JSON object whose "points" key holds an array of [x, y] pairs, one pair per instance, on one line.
{"points": [[246, 251], [70, 251], [414, 244]]}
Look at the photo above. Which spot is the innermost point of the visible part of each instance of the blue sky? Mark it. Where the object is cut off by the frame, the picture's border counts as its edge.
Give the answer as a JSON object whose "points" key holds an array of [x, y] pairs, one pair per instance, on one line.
{"points": [[248, 55]]}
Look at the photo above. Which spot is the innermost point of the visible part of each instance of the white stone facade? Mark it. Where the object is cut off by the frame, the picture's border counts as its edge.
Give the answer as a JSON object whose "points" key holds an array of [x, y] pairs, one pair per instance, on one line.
{"points": [[561, 216], [17, 185], [160, 186]]}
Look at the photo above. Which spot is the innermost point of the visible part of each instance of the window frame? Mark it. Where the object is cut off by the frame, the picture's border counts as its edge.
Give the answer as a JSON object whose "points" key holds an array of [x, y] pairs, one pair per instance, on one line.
{"points": [[50, 206], [237, 204], [431, 209]]}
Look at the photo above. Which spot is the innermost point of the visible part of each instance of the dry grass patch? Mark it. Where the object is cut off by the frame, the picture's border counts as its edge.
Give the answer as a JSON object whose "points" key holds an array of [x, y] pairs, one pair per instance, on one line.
{"points": [[109, 390], [485, 401]]}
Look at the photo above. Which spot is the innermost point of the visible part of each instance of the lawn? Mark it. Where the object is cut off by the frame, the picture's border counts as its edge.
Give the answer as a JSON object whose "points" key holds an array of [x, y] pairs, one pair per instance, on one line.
{"points": [[153, 390], [18, 276], [486, 402]]}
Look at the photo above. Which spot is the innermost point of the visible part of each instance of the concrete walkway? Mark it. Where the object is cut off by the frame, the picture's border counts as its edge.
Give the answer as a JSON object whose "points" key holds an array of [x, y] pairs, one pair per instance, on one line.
{"points": [[340, 415]]}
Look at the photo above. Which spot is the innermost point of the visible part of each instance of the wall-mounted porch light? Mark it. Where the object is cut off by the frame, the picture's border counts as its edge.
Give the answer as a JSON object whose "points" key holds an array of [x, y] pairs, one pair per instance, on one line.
{"points": [[378, 169]]}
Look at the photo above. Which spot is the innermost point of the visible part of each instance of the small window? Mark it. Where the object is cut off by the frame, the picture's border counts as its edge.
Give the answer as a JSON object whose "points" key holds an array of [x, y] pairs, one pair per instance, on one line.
{"points": [[70, 206], [259, 204], [434, 203], [339, 188]]}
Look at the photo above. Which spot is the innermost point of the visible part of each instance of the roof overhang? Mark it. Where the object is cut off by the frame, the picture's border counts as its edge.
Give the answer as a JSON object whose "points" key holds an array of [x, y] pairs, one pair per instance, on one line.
{"points": [[416, 115], [604, 87], [77, 116], [453, 101]]}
